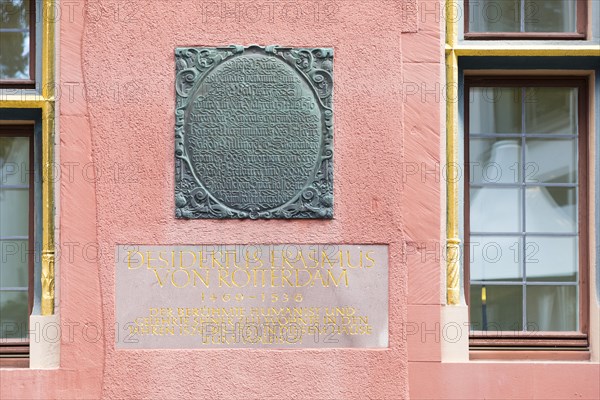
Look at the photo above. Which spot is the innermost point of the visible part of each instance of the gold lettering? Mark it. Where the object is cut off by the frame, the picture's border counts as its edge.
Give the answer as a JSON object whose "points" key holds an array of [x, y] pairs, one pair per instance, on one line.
{"points": [[150, 259], [298, 271], [161, 258], [312, 256], [323, 282], [273, 278], [232, 254], [255, 258], [187, 278], [285, 275], [325, 259], [160, 281], [368, 257], [235, 282], [204, 279], [285, 259], [301, 257], [222, 276], [129, 253], [343, 274], [182, 264], [272, 258], [214, 260], [349, 258]]}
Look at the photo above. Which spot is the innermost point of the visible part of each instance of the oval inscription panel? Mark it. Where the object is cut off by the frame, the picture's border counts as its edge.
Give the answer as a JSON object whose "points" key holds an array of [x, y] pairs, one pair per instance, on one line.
{"points": [[254, 137]]}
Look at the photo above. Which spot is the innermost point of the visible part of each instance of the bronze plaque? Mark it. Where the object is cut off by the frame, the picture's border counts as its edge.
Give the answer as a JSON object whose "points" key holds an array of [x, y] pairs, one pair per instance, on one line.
{"points": [[254, 132], [252, 296]]}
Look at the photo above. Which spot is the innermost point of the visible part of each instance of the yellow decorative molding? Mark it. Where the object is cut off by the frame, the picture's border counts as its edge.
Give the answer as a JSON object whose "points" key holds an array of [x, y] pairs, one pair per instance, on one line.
{"points": [[520, 50], [47, 282], [452, 241], [453, 272], [25, 101], [48, 17], [452, 182], [48, 116], [48, 277], [451, 28]]}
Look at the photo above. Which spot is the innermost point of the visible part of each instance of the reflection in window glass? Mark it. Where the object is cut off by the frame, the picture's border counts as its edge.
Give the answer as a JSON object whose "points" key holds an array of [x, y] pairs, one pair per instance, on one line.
{"points": [[552, 308], [495, 258], [551, 161], [15, 33], [551, 110], [494, 16], [498, 110], [552, 259], [550, 16], [14, 236], [496, 308], [551, 209], [523, 208], [496, 209], [495, 160], [14, 263], [522, 16], [14, 315]]}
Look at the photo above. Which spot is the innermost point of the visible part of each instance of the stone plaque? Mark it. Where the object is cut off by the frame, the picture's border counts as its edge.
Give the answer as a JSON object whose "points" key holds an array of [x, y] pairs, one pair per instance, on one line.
{"points": [[251, 296], [254, 132]]}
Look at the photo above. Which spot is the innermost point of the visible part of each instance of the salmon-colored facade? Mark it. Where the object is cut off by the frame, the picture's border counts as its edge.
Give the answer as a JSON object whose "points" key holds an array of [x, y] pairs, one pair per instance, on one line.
{"points": [[114, 145]]}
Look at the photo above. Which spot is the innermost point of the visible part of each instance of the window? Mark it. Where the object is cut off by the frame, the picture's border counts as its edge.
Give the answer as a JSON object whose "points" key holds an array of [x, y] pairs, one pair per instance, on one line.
{"points": [[27, 114], [27, 117], [525, 19], [523, 120], [525, 251], [17, 43], [16, 239]]}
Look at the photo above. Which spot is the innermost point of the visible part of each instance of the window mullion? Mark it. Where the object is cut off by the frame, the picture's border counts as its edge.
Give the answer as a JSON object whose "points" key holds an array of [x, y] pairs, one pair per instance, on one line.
{"points": [[522, 17], [523, 208]]}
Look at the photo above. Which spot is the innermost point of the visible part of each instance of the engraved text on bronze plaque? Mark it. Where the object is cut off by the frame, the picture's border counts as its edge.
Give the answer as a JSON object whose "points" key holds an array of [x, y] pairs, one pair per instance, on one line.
{"points": [[254, 133]]}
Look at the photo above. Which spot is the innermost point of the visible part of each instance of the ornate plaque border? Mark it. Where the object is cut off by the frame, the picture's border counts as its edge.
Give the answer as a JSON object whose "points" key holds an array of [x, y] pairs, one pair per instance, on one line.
{"points": [[315, 200]]}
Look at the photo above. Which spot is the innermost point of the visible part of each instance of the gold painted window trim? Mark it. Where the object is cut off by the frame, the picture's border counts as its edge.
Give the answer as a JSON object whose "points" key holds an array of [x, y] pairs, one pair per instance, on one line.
{"points": [[454, 49], [46, 102]]}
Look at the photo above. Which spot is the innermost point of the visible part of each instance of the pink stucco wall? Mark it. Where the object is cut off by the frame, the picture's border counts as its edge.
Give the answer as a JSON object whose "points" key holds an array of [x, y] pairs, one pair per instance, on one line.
{"points": [[139, 130], [116, 119]]}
